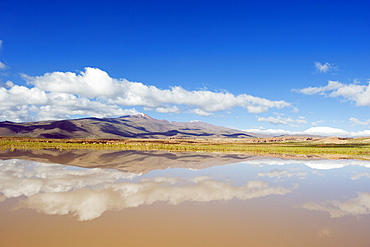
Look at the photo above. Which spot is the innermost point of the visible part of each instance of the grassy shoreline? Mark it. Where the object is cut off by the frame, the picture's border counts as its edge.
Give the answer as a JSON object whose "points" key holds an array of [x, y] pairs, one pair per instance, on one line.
{"points": [[359, 148]]}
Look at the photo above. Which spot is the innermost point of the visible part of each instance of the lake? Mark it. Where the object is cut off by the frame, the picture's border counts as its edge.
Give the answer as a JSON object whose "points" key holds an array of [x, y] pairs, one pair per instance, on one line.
{"points": [[132, 198]]}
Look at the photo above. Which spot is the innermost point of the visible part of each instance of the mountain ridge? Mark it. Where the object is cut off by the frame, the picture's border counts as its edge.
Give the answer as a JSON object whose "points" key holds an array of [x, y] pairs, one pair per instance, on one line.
{"points": [[128, 126]]}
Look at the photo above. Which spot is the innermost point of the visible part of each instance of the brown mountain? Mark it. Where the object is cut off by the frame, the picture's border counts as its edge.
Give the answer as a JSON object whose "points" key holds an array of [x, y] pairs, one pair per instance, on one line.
{"points": [[132, 126]]}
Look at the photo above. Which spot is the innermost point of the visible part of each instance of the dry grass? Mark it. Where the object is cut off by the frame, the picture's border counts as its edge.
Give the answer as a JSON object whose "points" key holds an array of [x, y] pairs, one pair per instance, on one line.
{"points": [[349, 148]]}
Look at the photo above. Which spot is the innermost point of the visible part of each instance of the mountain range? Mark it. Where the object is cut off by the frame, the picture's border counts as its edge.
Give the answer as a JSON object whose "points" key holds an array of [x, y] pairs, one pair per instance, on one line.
{"points": [[131, 126]]}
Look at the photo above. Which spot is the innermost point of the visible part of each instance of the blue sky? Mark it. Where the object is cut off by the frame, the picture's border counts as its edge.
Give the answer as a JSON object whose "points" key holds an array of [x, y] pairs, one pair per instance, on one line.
{"points": [[263, 66]]}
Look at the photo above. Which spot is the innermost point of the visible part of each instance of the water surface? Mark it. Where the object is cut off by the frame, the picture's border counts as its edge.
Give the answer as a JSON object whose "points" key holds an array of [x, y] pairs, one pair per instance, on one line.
{"points": [[131, 198]]}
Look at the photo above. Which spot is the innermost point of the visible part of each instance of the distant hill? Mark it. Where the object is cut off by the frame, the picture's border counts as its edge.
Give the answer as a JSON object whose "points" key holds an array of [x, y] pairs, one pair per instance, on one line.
{"points": [[132, 126]]}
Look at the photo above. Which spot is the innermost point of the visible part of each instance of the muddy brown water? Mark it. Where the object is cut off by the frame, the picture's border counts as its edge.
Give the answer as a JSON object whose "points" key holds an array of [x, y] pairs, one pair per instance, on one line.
{"points": [[183, 199]]}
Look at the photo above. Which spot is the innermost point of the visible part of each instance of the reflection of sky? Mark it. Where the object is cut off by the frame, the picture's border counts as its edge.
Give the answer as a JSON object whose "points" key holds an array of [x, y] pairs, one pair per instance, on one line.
{"points": [[319, 164], [283, 174], [88, 193], [27, 178], [359, 205]]}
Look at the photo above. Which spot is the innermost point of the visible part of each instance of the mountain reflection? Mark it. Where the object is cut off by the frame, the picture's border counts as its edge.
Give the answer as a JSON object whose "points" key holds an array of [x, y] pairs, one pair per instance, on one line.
{"points": [[127, 161], [88, 193]]}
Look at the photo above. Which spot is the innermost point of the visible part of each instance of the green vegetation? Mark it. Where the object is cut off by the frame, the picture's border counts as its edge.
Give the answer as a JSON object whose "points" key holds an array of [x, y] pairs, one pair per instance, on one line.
{"points": [[352, 148]]}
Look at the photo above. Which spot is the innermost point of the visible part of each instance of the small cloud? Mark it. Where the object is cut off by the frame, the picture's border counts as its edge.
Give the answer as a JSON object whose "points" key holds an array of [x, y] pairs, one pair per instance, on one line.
{"points": [[360, 175], [325, 232], [317, 122], [332, 85], [3, 66], [173, 109], [276, 120], [200, 112], [324, 68], [355, 121], [8, 84], [282, 121], [301, 120], [295, 110]]}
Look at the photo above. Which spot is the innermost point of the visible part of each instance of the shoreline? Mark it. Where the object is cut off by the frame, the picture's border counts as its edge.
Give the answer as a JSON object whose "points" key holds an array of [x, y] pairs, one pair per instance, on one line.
{"points": [[332, 148]]}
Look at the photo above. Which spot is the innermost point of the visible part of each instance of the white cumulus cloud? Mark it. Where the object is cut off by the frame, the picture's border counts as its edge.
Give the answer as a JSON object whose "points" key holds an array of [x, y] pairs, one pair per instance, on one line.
{"points": [[356, 92], [90, 83], [326, 131], [92, 92], [94, 83], [20, 103]]}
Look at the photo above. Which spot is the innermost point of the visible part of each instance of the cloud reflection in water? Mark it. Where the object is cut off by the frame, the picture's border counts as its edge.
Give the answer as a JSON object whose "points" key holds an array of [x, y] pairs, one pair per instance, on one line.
{"points": [[280, 174], [26, 178], [319, 164], [359, 205], [88, 193]]}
